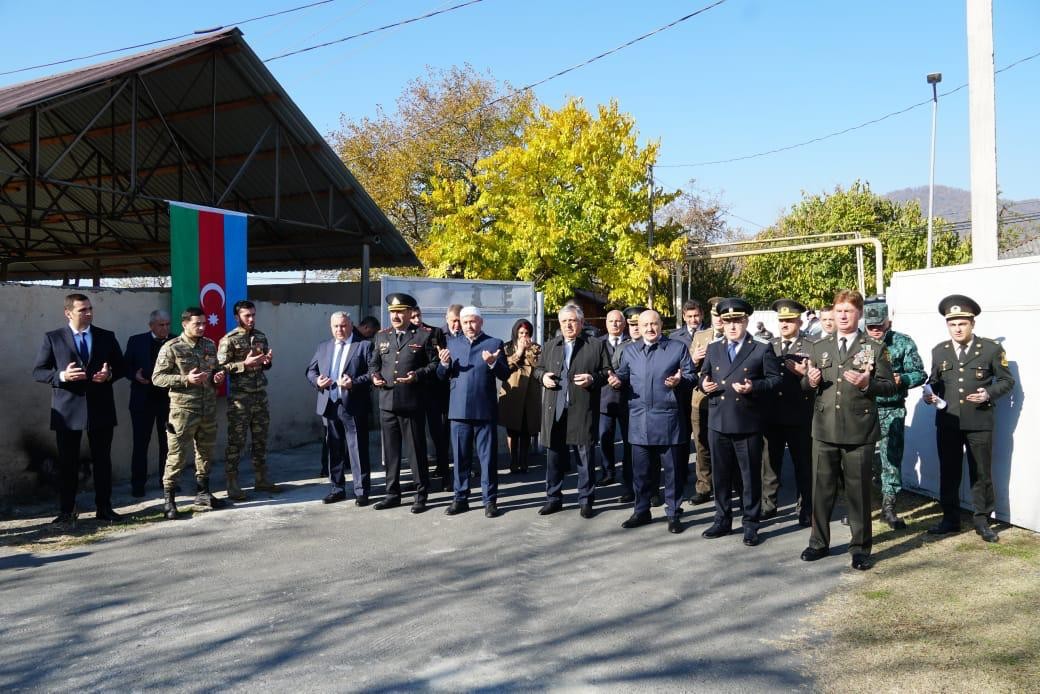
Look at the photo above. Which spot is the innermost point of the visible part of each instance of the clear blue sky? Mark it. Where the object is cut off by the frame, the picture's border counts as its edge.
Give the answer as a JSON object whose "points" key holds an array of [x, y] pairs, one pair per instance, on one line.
{"points": [[747, 76]]}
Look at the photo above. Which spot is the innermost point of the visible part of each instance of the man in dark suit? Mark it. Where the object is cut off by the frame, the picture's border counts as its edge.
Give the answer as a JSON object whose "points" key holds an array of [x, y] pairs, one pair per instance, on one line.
{"points": [[339, 370], [435, 407], [472, 362], [790, 418], [572, 370], [692, 315], [612, 411], [847, 370], [651, 372], [739, 376], [403, 362], [971, 373], [149, 405], [79, 362]]}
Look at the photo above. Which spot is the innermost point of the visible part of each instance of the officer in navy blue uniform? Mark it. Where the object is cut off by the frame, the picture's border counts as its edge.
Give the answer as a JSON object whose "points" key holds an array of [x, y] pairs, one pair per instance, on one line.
{"points": [[653, 373], [472, 362], [403, 361], [739, 376]]}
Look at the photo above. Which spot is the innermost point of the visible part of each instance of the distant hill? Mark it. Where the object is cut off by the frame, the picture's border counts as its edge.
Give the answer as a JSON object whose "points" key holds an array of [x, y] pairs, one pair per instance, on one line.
{"points": [[954, 204]]}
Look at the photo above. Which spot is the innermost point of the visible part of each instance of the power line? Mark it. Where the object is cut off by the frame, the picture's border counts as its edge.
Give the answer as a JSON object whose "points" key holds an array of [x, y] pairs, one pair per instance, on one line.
{"points": [[555, 75], [167, 39], [836, 133], [402, 22]]}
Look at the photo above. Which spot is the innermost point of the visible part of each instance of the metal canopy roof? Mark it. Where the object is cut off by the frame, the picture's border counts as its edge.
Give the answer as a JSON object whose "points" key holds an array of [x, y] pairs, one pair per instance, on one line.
{"points": [[88, 159]]}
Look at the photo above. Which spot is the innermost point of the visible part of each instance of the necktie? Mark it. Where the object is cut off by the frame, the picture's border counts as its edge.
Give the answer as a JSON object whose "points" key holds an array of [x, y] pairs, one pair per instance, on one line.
{"points": [[962, 351], [731, 350], [84, 354], [337, 367], [842, 350], [787, 346], [400, 339], [563, 394]]}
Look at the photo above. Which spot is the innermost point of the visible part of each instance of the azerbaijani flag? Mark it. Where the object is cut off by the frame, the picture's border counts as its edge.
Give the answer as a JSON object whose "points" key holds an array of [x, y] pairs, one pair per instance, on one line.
{"points": [[207, 264]]}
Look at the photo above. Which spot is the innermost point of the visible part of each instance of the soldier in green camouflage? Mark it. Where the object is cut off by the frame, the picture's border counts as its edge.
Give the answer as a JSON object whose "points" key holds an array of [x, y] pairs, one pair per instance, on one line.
{"points": [[187, 365], [246, 355], [908, 372]]}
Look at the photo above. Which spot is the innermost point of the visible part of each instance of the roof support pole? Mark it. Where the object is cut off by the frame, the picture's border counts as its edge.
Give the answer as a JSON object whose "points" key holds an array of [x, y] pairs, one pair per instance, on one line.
{"points": [[242, 169], [133, 134], [34, 171], [366, 299]]}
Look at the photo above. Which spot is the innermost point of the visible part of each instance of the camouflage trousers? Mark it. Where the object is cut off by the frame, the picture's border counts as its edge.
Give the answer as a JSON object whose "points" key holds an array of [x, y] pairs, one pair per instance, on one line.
{"points": [[890, 449], [247, 413], [186, 430]]}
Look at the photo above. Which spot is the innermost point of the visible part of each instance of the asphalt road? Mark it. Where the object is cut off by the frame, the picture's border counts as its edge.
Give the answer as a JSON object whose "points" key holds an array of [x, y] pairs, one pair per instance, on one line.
{"points": [[284, 593]]}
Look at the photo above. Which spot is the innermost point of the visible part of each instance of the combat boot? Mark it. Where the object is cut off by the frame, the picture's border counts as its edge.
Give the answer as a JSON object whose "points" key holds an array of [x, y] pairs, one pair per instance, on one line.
{"points": [[170, 505], [888, 513], [234, 492], [203, 497], [262, 484]]}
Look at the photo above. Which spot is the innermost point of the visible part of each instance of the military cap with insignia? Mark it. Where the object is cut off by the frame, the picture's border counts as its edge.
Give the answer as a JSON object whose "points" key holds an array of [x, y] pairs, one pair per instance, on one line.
{"points": [[734, 307], [786, 309], [400, 301], [875, 310], [713, 304], [631, 314], [959, 306]]}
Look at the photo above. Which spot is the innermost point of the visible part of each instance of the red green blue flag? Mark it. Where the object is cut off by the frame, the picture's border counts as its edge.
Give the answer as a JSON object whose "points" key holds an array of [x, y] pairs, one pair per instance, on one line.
{"points": [[207, 264]]}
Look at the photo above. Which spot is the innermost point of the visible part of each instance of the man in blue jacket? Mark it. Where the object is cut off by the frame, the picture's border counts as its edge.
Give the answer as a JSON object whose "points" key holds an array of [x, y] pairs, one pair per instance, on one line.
{"points": [[472, 362]]}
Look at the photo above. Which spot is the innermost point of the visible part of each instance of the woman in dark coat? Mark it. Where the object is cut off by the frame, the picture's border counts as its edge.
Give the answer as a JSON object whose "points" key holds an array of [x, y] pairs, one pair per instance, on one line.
{"points": [[520, 399]]}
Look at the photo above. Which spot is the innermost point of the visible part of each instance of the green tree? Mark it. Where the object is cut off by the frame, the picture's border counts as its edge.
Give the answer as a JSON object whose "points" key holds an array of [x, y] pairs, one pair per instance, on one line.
{"points": [[814, 276], [565, 208], [702, 219]]}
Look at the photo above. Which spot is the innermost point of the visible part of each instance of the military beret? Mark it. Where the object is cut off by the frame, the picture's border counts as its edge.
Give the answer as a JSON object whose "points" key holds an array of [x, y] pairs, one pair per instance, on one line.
{"points": [[400, 302], [959, 306], [632, 314], [734, 307], [787, 309]]}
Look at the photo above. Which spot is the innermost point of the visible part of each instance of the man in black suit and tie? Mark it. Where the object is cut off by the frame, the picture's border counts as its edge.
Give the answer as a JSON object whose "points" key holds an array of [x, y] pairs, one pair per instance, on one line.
{"points": [[149, 404], [339, 370], [739, 376], [79, 362], [613, 410]]}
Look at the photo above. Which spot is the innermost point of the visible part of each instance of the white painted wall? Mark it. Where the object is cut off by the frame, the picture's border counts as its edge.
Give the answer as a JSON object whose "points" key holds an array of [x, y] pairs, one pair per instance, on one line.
{"points": [[28, 311], [1010, 301]]}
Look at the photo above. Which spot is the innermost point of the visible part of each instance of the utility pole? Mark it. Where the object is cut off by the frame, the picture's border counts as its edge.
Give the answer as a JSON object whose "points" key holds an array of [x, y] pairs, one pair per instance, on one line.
{"points": [[650, 238]]}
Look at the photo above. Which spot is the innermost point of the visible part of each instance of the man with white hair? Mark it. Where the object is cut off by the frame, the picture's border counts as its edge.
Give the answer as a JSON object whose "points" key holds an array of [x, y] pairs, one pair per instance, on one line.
{"points": [[474, 360], [149, 405]]}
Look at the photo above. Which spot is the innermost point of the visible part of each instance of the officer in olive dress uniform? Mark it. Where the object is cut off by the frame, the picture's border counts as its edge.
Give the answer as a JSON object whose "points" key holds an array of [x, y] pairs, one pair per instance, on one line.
{"points": [[402, 363], [790, 421], [847, 370], [970, 373]]}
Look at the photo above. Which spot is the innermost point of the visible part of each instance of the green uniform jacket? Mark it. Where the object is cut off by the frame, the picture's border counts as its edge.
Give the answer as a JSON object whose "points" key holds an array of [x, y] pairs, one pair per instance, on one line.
{"points": [[843, 414], [985, 366], [175, 361], [231, 354], [906, 361]]}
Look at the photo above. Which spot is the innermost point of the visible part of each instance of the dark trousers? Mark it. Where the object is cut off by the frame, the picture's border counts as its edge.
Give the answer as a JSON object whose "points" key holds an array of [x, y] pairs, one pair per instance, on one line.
{"points": [[608, 426], [952, 444], [143, 423], [484, 433], [740, 456], [832, 464], [346, 438], [100, 441], [666, 459], [557, 457], [798, 438], [400, 428], [437, 423]]}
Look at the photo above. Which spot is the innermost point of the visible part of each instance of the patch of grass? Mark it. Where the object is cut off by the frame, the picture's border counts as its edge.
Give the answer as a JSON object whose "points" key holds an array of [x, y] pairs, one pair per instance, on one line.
{"points": [[39, 536], [877, 594]]}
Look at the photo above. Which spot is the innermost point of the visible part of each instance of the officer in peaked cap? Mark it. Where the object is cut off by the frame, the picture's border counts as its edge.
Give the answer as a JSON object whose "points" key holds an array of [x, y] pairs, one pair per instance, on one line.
{"points": [[403, 361], [969, 372]]}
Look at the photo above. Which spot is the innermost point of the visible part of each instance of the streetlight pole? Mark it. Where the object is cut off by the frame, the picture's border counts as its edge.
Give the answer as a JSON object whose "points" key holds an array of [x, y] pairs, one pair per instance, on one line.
{"points": [[933, 79]]}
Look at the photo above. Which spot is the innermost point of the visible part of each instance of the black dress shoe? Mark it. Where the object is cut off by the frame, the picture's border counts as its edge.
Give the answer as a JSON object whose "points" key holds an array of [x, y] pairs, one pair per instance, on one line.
{"points": [[361, 501], [586, 510], [814, 553], [700, 498], [333, 497], [751, 537], [626, 498], [388, 502], [606, 481], [550, 508], [65, 522], [107, 514], [944, 528], [716, 530], [675, 526], [985, 532], [456, 508], [861, 562], [637, 519], [656, 500], [766, 515], [491, 510]]}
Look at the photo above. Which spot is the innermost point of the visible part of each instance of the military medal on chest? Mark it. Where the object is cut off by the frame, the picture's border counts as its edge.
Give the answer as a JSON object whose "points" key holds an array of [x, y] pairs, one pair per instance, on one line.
{"points": [[864, 359]]}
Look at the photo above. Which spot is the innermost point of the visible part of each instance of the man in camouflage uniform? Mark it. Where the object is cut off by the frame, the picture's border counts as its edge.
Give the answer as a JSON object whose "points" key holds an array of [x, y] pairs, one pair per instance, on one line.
{"points": [[187, 365], [908, 372], [245, 353]]}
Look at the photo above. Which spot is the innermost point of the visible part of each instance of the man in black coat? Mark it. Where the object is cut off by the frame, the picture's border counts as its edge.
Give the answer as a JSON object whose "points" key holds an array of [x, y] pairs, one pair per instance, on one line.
{"points": [[572, 370], [149, 404], [79, 362]]}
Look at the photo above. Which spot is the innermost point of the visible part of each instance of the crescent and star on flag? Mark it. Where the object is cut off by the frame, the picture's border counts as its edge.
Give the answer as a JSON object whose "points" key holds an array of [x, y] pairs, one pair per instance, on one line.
{"points": [[213, 318]]}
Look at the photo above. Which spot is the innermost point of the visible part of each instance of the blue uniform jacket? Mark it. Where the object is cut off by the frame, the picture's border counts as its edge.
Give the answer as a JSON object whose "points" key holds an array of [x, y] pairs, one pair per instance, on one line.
{"points": [[729, 412], [474, 392], [655, 414]]}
